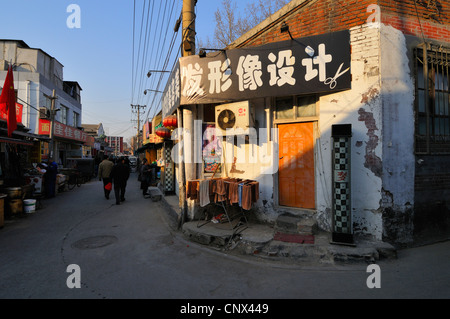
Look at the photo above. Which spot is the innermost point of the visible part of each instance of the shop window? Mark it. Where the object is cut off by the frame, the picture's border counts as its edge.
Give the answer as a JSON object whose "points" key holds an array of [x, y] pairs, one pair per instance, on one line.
{"points": [[285, 108], [76, 119], [306, 105], [64, 111], [432, 99], [295, 108]]}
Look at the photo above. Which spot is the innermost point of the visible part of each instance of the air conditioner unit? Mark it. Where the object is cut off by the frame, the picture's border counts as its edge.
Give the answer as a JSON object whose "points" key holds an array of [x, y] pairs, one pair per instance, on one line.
{"points": [[234, 117], [43, 113]]}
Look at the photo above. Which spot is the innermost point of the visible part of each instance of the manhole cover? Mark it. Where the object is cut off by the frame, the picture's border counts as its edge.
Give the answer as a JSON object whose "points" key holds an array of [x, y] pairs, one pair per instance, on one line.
{"points": [[94, 242]]}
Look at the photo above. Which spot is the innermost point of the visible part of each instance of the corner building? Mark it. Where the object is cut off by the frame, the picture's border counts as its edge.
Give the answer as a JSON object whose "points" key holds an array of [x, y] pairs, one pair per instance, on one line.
{"points": [[358, 95]]}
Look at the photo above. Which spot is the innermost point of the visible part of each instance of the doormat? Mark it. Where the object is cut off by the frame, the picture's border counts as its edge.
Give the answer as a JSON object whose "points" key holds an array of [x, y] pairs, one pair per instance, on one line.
{"points": [[294, 238]]}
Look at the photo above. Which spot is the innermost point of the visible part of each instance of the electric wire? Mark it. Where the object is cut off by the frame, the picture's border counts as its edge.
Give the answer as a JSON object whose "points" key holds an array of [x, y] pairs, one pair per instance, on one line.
{"points": [[140, 41], [158, 37]]}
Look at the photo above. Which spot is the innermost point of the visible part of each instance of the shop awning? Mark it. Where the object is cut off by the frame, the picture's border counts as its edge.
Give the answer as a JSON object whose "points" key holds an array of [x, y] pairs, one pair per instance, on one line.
{"points": [[148, 146], [16, 133], [15, 141]]}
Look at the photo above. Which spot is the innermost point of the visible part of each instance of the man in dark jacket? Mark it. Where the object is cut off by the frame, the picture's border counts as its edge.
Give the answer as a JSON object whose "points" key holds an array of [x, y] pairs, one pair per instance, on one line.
{"points": [[120, 174]]}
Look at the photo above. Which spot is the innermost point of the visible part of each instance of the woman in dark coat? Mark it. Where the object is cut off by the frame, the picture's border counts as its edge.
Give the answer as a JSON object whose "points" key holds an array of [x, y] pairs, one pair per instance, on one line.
{"points": [[119, 175], [144, 174]]}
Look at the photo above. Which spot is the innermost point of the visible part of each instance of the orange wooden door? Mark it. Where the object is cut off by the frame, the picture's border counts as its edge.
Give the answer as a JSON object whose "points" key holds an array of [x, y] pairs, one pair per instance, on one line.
{"points": [[296, 165]]}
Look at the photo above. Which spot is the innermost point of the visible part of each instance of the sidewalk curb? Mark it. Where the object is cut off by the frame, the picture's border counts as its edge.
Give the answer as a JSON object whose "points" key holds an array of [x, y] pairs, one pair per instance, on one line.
{"points": [[258, 240]]}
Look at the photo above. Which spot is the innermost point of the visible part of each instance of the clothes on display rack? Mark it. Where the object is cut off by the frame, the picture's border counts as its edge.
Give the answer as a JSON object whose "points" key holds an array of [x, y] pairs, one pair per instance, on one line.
{"points": [[204, 193], [229, 190]]}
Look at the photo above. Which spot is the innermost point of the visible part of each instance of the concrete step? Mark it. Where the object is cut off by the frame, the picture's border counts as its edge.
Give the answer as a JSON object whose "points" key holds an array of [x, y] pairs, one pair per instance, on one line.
{"points": [[292, 224], [155, 193]]}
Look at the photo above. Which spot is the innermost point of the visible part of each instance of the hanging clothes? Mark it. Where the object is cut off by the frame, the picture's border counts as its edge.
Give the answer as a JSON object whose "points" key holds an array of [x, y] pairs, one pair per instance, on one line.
{"points": [[204, 193], [223, 190]]}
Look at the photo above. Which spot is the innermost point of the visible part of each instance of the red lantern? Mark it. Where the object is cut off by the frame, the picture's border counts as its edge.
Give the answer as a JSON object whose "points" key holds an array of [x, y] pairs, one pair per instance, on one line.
{"points": [[163, 132], [170, 122]]}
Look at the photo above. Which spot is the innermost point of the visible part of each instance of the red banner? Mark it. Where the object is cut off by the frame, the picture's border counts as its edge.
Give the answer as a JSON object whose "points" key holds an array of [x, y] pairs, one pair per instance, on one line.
{"points": [[19, 110], [63, 131]]}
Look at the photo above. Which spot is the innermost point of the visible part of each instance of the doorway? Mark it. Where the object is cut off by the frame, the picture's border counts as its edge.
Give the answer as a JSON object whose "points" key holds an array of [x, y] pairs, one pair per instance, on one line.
{"points": [[296, 185]]}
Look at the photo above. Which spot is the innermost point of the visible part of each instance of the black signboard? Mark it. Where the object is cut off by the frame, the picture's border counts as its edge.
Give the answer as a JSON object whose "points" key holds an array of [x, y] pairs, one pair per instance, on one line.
{"points": [[171, 96], [316, 64]]}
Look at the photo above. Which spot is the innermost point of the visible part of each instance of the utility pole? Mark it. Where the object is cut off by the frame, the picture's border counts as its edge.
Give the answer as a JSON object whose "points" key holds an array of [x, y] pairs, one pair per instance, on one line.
{"points": [[52, 148], [186, 115], [138, 110], [188, 40]]}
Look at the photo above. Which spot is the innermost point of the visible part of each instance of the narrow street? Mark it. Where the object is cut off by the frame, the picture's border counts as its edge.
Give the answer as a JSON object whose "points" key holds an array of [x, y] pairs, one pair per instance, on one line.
{"points": [[130, 251]]}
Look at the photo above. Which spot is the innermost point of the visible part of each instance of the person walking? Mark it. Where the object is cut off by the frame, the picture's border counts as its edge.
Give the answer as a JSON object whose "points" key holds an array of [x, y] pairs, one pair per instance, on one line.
{"points": [[144, 174], [104, 173], [50, 178], [119, 175]]}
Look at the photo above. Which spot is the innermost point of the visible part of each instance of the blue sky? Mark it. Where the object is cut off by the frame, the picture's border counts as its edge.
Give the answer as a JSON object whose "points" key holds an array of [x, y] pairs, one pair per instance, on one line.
{"points": [[98, 55]]}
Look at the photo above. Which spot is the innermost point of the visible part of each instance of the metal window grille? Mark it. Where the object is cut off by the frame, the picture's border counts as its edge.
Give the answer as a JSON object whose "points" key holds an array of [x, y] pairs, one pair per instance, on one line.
{"points": [[432, 102]]}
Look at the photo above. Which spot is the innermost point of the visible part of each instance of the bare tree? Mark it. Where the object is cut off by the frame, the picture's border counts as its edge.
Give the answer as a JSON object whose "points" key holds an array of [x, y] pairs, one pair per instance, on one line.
{"points": [[230, 25], [259, 10]]}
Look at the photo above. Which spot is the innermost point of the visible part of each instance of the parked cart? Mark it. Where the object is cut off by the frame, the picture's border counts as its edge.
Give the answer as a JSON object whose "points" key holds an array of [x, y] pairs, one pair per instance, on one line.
{"points": [[86, 167], [72, 177]]}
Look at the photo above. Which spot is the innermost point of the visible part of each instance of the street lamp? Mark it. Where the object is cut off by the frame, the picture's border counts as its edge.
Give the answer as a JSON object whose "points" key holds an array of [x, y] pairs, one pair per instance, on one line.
{"points": [[149, 73], [145, 92], [202, 51]]}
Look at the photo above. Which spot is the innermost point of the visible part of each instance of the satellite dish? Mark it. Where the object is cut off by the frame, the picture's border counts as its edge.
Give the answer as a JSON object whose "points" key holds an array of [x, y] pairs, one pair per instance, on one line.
{"points": [[226, 119]]}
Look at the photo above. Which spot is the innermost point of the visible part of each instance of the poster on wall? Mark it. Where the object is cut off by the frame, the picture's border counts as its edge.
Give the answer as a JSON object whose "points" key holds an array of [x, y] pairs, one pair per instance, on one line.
{"points": [[211, 149]]}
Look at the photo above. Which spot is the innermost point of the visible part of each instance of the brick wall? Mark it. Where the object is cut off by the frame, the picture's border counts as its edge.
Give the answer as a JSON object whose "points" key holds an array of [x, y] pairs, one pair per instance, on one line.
{"points": [[315, 17], [430, 19]]}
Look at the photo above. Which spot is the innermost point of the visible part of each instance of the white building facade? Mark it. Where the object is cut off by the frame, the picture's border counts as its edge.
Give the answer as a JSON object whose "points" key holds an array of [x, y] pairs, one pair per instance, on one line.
{"points": [[36, 76]]}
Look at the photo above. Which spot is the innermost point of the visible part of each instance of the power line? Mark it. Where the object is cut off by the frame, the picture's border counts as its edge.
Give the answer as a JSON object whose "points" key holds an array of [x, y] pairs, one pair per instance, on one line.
{"points": [[156, 34]]}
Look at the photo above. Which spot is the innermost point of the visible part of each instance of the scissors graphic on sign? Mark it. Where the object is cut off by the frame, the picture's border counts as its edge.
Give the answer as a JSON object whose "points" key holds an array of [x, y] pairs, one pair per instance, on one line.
{"points": [[332, 81]]}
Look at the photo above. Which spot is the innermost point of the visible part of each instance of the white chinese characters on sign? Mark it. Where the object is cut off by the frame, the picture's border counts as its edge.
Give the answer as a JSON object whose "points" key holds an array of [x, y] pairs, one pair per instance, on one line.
{"points": [[77, 134], [249, 71], [282, 71], [59, 129], [321, 60], [219, 76], [314, 66], [193, 75], [171, 95], [68, 132]]}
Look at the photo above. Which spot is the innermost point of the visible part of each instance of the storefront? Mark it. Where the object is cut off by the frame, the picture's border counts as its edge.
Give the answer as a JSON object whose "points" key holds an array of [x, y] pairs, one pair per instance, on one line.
{"points": [[68, 139], [323, 117]]}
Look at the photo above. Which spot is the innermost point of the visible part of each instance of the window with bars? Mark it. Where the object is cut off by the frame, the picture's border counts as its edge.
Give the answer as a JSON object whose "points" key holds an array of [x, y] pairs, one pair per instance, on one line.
{"points": [[295, 107], [432, 100]]}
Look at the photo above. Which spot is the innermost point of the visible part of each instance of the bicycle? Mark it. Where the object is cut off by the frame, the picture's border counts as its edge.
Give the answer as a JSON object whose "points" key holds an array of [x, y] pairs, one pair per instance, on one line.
{"points": [[74, 179]]}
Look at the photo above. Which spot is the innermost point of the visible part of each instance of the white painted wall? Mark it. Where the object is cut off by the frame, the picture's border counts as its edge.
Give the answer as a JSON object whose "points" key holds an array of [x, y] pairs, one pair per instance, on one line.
{"points": [[360, 107], [380, 109]]}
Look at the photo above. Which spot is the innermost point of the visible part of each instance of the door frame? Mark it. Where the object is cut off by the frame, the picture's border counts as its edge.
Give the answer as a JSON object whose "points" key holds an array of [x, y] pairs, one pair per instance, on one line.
{"points": [[276, 191]]}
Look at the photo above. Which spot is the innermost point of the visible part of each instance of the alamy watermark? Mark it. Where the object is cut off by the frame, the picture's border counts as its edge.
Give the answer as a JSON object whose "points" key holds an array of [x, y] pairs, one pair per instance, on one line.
{"points": [[374, 279], [374, 20], [74, 279], [231, 146], [74, 19]]}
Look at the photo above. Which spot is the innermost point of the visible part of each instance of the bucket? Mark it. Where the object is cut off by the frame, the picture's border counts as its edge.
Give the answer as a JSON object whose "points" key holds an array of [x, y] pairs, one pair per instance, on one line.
{"points": [[29, 205], [14, 192], [16, 206]]}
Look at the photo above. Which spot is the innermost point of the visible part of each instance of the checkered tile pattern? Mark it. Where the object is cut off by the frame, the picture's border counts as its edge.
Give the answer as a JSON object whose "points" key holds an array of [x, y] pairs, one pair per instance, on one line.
{"points": [[342, 204], [168, 171]]}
